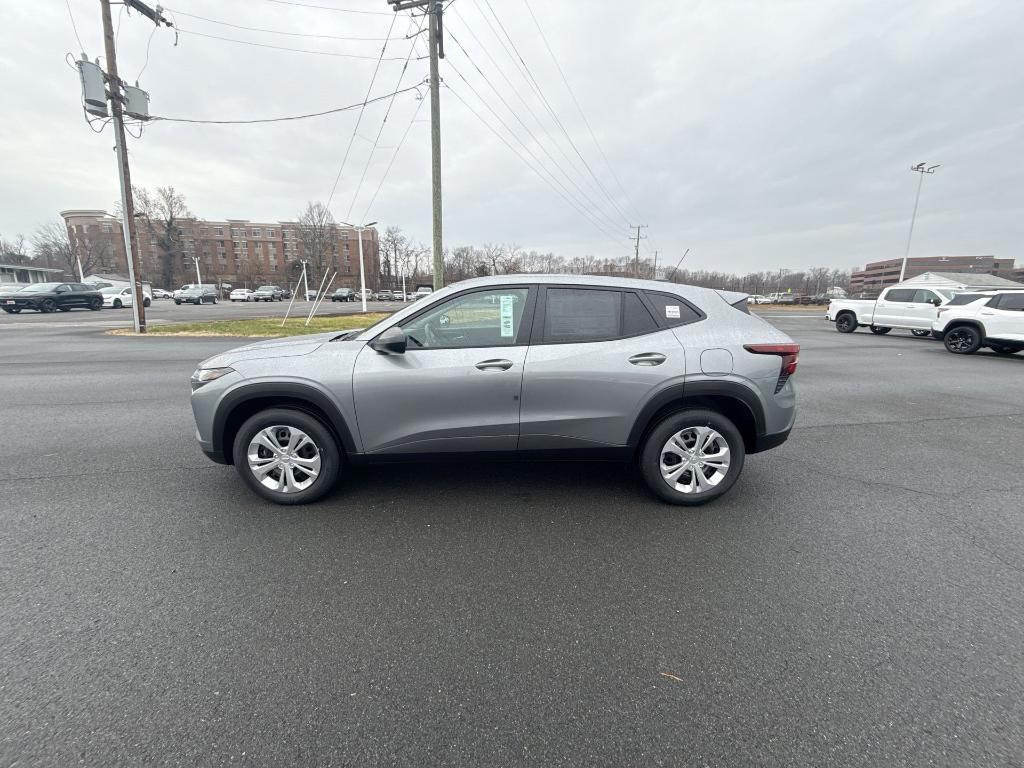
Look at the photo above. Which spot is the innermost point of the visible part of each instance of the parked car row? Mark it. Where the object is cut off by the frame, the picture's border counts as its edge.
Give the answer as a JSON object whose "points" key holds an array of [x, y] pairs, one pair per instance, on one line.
{"points": [[964, 322], [819, 299]]}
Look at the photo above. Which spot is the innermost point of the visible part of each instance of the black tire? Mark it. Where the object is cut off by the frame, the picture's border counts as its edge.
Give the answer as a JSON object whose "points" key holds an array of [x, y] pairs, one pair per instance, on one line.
{"points": [[963, 340], [1001, 349], [178, 302], [48, 305], [146, 302], [117, 304], [879, 330], [650, 456], [8, 310], [96, 304], [846, 322], [214, 299], [16, 310], [64, 309], [921, 334], [330, 455]]}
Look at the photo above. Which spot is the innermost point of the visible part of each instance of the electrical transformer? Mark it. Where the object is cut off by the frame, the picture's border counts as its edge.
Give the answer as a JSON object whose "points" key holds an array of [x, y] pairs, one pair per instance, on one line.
{"points": [[136, 102], [94, 93]]}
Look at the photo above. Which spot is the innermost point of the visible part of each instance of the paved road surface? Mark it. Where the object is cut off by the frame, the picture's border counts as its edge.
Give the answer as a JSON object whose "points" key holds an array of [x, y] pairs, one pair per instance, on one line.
{"points": [[856, 599]]}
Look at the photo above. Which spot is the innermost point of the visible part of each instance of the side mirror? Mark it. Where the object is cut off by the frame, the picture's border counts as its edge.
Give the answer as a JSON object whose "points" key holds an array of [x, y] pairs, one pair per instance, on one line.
{"points": [[391, 342], [937, 302]]}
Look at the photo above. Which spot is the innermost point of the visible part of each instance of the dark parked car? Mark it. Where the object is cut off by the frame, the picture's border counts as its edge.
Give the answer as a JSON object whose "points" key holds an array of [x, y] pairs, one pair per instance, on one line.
{"points": [[197, 296], [343, 294], [49, 297]]}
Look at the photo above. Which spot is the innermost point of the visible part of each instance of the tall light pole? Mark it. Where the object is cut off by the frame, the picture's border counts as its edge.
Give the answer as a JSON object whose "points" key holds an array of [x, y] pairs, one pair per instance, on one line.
{"points": [[199, 279], [362, 268], [921, 169]]}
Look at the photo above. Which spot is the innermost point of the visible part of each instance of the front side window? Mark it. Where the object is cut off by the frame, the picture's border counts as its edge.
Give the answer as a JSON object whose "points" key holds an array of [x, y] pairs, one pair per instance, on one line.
{"points": [[482, 319], [923, 297]]}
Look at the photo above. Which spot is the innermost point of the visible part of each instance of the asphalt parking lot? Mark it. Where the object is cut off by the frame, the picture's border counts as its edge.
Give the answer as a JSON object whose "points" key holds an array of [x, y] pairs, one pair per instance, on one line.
{"points": [[857, 599], [166, 311]]}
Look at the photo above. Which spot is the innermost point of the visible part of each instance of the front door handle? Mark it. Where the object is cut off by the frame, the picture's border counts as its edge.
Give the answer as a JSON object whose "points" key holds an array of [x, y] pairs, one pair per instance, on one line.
{"points": [[986, 314], [496, 365], [648, 358]]}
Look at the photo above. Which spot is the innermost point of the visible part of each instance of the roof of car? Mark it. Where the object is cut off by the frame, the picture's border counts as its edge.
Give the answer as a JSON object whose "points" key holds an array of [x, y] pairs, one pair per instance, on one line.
{"points": [[616, 282]]}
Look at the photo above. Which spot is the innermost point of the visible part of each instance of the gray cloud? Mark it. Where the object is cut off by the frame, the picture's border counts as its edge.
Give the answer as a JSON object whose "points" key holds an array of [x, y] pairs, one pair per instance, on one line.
{"points": [[761, 135]]}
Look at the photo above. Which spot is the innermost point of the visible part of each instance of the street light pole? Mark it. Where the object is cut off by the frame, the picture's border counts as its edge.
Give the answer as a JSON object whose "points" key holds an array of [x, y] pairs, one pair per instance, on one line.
{"points": [[921, 169], [362, 268], [199, 278]]}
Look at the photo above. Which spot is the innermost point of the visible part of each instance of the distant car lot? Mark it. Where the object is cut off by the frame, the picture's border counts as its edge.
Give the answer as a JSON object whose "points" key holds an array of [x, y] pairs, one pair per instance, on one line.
{"points": [[861, 584]]}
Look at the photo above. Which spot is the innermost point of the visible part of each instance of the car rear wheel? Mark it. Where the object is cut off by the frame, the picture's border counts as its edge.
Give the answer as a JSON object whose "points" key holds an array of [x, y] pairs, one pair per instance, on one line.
{"points": [[117, 304], [879, 330], [846, 322], [963, 340], [146, 302], [286, 456], [48, 305], [692, 457], [921, 334], [1004, 350]]}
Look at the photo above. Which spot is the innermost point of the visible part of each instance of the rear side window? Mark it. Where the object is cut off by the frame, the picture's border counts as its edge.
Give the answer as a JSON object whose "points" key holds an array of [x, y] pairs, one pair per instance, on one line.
{"points": [[581, 314], [904, 295], [1011, 301], [672, 310], [964, 298]]}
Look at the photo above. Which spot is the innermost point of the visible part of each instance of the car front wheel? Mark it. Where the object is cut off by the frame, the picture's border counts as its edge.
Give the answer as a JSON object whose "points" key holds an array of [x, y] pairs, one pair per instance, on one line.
{"points": [[286, 456], [963, 340], [692, 457]]}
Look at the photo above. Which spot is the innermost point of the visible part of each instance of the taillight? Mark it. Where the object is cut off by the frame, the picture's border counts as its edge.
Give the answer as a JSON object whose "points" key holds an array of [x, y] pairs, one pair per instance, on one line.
{"points": [[790, 354]]}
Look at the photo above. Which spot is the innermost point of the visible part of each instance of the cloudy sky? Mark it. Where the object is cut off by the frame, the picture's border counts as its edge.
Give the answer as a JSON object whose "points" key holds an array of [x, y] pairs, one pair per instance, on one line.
{"points": [[758, 134]]}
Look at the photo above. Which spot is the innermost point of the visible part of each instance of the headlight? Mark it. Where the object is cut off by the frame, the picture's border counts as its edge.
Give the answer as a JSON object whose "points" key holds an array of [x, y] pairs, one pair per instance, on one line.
{"points": [[205, 375]]}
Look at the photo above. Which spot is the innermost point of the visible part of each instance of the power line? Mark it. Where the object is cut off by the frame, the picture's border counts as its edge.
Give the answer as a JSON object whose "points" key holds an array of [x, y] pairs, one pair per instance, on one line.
{"points": [[544, 99], [394, 155], [149, 42], [74, 26], [364, 103], [552, 182], [376, 140], [579, 108], [329, 8], [359, 119], [533, 136], [277, 31], [286, 48]]}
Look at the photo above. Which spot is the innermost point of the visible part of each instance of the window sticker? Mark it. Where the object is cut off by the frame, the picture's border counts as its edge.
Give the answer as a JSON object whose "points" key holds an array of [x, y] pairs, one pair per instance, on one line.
{"points": [[507, 303], [672, 311]]}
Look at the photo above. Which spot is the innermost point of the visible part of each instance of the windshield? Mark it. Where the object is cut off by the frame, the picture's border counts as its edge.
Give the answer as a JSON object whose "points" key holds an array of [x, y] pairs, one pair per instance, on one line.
{"points": [[965, 298], [41, 287]]}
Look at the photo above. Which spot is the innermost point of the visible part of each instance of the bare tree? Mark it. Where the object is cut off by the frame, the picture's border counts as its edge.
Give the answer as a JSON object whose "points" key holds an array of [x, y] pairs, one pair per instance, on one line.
{"points": [[160, 213], [52, 244], [318, 233], [14, 250]]}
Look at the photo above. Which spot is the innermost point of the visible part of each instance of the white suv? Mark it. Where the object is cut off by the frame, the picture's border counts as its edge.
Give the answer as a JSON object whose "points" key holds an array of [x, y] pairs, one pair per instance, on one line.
{"points": [[993, 319]]}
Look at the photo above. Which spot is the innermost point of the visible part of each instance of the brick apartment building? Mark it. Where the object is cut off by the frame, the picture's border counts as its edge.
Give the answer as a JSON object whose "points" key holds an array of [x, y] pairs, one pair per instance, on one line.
{"points": [[879, 274], [237, 251]]}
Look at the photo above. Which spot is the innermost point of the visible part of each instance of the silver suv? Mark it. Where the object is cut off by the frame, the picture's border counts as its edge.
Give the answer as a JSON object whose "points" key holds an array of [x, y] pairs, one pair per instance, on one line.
{"points": [[680, 379]]}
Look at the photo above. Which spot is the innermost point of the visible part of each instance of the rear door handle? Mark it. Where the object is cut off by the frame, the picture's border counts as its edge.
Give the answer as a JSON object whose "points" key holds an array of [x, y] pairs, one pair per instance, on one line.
{"points": [[648, 358], [496, 365]]}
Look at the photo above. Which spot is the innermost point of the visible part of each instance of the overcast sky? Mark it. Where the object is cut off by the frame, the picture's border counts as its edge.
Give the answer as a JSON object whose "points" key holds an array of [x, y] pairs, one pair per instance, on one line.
{"points": [[759, 134]]}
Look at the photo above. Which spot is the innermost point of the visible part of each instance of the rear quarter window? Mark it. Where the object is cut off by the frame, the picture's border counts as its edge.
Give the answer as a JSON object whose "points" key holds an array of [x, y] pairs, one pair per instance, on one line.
{"points": [[672, 311]]}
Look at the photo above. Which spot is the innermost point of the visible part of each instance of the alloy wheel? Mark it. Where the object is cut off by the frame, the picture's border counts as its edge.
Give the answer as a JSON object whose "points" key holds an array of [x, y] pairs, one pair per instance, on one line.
{"points": [[284, 459], [694, 460], [959, 340]]}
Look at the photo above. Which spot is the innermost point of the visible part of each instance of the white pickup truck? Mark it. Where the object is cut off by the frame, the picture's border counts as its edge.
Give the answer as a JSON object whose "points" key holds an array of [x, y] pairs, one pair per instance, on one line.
{"points": [[913, 309]]}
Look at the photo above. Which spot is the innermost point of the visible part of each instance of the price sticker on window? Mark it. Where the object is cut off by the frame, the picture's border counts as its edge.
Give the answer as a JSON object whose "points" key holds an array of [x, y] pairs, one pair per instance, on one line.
{"points": [[507, 326], [672, 311]]}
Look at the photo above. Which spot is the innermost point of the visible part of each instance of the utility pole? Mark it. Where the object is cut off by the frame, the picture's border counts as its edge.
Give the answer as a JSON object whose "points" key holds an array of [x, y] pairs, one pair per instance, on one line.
{"points": [[124, 176], [199, 279], [436, 31], [921, 169], [654, 276], [636, 252]]}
